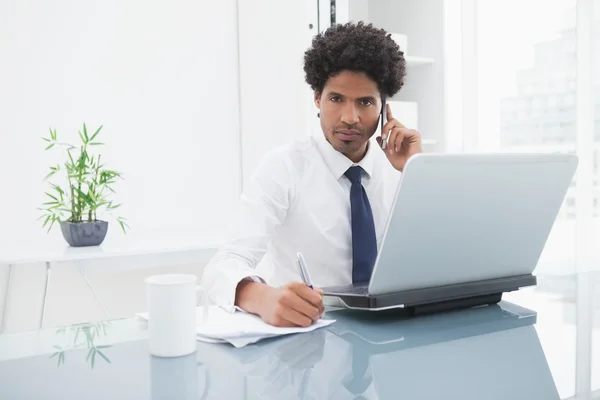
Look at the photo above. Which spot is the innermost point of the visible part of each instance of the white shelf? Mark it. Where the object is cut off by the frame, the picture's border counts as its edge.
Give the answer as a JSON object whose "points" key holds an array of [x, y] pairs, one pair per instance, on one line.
{"points": [[414, 61], [429, 141]]}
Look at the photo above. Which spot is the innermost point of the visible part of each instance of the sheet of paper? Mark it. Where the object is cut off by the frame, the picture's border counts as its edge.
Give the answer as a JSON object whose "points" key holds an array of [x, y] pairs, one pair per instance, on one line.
{"points": [[224, 325], [239, 328]]}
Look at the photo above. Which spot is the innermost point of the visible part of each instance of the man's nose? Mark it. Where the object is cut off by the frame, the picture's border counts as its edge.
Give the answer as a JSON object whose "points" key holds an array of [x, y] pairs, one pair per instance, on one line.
{"points": [[350, 115]]}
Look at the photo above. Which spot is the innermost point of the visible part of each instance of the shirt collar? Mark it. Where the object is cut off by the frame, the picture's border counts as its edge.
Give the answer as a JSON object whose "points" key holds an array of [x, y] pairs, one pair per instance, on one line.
{"points": [[338, 163]]}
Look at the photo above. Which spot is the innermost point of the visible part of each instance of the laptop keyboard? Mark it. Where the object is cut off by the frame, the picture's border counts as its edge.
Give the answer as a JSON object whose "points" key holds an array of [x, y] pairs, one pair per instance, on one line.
{"points": [[359, 290], [349, 289]]}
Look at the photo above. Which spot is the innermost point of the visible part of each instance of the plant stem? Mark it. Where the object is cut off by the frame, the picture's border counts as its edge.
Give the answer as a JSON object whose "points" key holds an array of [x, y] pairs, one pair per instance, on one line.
{"points": [[72, 201], [80, 213]]}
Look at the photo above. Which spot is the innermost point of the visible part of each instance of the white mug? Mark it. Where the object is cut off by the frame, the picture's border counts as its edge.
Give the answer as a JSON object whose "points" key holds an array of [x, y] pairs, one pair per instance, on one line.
{"points": [[172, 301]]}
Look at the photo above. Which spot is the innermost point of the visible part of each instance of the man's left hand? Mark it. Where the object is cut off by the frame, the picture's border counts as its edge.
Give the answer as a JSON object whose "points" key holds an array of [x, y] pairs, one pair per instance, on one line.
{"points": [[403, 142]]}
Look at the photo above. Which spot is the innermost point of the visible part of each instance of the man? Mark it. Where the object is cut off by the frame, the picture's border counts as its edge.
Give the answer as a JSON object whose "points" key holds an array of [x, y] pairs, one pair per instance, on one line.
{"points": [[327, 197]]}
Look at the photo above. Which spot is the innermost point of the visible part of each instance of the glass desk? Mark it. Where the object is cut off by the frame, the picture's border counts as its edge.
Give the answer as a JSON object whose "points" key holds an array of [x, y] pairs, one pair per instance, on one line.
{"points": [[538, 343]]}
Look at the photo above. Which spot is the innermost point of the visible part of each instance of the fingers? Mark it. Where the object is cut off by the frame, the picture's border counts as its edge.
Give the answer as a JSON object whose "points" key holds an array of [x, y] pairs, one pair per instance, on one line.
{"points": [[313, 296], [320, 306], [304, 300], [395, 141], [401, 136], [390, 126], [292, 317]]}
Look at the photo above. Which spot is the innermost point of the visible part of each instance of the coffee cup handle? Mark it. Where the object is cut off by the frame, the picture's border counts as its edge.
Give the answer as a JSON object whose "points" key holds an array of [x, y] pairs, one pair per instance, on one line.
{"points": [[202, 297]]}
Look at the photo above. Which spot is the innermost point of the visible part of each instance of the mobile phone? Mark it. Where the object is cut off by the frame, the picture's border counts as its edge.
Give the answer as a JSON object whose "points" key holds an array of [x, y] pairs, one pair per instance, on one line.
{"points": [[383, 121]]}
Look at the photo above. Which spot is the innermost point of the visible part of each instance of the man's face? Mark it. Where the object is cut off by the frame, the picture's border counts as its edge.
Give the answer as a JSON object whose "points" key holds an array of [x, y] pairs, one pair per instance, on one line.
{"points": [[349, 105]]}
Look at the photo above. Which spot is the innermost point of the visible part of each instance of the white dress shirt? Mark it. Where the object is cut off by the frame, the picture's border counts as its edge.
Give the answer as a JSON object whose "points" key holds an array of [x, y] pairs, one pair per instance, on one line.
{"points": [[298, 200]]}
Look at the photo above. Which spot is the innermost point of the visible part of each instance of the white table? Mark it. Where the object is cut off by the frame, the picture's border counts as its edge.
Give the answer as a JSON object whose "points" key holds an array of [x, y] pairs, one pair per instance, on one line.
{"points": [[117, 252]]}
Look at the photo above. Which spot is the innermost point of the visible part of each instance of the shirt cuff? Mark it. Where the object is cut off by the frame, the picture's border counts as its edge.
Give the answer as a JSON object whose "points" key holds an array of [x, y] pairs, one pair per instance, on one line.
{"points": [[223, 293], [255, 278]]}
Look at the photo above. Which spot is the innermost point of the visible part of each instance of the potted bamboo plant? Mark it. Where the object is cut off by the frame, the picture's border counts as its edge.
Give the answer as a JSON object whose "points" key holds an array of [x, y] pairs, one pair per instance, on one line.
{"points": [[88, 192]]}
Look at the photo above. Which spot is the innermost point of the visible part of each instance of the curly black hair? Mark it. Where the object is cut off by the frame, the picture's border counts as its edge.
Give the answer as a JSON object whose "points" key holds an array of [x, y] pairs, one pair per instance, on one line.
{"points": [[355, 47]]}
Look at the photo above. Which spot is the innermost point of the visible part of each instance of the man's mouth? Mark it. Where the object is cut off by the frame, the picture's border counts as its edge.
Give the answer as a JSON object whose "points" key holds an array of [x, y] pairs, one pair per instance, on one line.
{"points": [[347, 134]]}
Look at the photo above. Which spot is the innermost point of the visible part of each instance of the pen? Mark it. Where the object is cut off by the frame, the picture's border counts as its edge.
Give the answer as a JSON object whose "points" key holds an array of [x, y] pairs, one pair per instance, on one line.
{"points": [[304, 271]]}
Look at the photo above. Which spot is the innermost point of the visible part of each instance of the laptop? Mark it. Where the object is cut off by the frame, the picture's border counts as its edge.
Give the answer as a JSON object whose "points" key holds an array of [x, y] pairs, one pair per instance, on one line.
{"points": [[464, 228]]}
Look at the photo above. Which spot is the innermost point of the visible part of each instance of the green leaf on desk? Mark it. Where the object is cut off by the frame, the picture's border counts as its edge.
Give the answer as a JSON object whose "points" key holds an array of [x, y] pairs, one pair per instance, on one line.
{"points": [[102, 355], [93, 357]]}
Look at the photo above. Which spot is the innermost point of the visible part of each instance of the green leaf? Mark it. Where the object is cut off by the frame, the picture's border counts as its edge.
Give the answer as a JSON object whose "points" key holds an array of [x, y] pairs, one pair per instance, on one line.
{"points": [[81, 136], [85, 133], [104, 346], [46, 139], [51, 145], [89, 354], [96, 144], [59, 190], [52, 223], [123, 224], [82, 195], [88, 335], [51, 196], [96, 133], [102, 355], [49, 175], [46, 221], [94, 357], [52, 134]]}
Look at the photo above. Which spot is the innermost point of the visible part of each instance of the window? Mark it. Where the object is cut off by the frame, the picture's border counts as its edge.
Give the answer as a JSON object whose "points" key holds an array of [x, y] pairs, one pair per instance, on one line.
{"points": [[537, 61]]}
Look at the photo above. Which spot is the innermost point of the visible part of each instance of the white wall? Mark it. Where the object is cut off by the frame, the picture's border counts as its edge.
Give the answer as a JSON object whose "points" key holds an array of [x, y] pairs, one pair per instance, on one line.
{"points": [[424, 23], [358, 10], [276, 102], [163, 79]]}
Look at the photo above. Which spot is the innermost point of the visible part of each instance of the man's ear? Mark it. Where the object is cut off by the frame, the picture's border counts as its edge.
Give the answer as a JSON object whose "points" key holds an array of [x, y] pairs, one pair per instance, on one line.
{"points": [[317, 97]]}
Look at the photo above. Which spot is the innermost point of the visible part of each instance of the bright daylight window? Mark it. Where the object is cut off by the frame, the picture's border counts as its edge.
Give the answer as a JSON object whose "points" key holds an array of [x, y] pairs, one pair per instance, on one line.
{"points": [[526, 63], [537, 89]]}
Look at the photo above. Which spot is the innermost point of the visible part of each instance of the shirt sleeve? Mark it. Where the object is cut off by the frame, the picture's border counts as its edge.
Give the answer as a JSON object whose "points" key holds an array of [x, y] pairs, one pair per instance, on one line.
{"points": [[262, 207]]}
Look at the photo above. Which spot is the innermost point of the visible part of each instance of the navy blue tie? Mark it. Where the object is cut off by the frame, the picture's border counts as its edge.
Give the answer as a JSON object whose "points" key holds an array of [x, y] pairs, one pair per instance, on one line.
{"points": [[364, 241]]}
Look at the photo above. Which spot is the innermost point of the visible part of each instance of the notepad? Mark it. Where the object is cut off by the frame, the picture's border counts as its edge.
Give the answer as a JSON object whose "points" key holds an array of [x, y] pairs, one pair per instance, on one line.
{"points": [[240, 328]]}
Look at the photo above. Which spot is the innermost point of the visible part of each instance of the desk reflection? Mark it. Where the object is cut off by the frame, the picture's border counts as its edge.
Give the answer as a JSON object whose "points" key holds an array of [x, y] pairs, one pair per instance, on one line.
{"points": [[483, 353]]}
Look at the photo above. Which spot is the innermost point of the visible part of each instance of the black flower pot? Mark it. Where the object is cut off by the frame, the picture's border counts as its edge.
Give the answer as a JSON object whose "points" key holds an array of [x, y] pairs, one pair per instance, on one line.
{"points": [[82, 234]]}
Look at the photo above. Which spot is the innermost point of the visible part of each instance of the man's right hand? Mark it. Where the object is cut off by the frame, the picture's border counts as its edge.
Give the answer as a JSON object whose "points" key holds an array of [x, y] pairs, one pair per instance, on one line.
{"points": [[294, 304]]}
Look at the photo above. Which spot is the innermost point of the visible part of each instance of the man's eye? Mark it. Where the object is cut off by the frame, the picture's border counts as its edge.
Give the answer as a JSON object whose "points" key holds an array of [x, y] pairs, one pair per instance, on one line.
{"points": [[366, 102], [335, 98]]}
